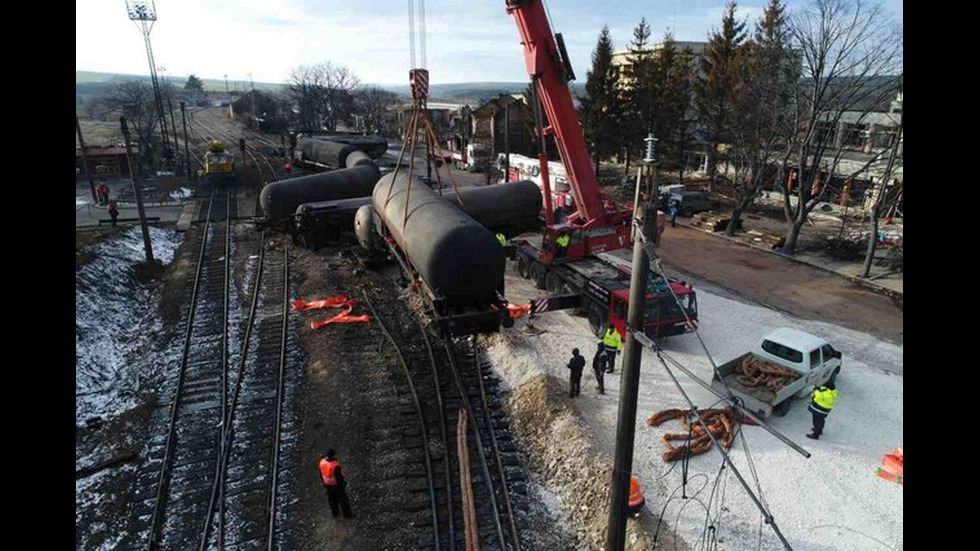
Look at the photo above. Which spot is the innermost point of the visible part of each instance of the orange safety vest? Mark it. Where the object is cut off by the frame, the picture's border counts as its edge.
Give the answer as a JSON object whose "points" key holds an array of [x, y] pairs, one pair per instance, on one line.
{"points": [[327, 469], [636, 496]]}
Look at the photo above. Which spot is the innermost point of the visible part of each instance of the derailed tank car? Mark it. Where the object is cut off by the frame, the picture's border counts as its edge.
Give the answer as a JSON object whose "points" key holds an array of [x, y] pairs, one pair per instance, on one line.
{"points": [[279, 200], [456, 263]]}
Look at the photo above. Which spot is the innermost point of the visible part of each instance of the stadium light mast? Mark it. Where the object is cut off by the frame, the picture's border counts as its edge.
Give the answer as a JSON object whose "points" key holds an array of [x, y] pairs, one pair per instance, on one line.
{"points": [[144, 14]]}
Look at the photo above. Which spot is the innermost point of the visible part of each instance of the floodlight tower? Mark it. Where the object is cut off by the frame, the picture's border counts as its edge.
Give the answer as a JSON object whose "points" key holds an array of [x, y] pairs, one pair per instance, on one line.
{"points": [[144, 14]]}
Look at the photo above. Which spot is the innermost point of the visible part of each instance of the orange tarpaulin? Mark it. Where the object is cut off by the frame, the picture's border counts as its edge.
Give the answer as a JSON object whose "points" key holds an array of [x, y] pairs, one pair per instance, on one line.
{"points": [[338, 301], [343, 317]]}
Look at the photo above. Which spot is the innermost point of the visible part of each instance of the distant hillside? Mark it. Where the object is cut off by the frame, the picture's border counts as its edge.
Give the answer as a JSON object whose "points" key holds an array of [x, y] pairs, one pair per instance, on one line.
{"points": [[472, 91], [90, 83]]}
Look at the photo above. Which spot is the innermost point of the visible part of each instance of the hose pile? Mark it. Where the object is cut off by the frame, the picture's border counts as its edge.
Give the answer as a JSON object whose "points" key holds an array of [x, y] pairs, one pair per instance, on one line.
{"points": [[721, 423]]}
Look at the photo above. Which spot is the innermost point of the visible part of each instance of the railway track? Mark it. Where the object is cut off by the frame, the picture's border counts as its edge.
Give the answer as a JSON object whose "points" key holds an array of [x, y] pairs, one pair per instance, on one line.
{"points": [[438, 379], [181, 461], [212, 478], [213, 130]]}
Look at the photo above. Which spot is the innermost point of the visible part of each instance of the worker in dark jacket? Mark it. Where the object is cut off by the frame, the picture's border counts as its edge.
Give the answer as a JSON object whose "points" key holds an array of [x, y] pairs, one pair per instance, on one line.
{"points": [[824, 398], [113, 213], [599, 363], [336, 485], [576, 365]]}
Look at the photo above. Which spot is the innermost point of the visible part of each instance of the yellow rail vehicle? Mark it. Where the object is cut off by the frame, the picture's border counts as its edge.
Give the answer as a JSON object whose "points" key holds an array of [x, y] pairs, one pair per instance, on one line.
{"points": [[219, 164]]}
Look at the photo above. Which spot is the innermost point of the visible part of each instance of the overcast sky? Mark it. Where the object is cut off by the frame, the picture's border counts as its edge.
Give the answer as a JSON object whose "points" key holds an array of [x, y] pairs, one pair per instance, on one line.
{"points": [[468, 40]]}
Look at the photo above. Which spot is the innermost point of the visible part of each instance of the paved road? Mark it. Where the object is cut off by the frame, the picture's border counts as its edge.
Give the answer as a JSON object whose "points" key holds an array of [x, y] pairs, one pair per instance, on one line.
{"points": [[798, 289]]}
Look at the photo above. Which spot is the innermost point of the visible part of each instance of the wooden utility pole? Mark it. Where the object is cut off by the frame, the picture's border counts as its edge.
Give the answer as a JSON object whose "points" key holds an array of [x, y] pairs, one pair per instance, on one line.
{"points": [[137, 191], [187, 154], [88, 172]]}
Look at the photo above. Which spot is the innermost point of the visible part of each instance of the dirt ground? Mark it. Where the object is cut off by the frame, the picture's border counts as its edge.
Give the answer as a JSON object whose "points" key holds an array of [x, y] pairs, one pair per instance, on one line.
{"points": [[352, 401], [783, 284]]}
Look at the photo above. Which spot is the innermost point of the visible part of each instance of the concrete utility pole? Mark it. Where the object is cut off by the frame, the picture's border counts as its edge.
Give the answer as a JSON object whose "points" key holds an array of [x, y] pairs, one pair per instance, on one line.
{"points": [[147, 244], [187, 153], [88, 172], [630, 381]]}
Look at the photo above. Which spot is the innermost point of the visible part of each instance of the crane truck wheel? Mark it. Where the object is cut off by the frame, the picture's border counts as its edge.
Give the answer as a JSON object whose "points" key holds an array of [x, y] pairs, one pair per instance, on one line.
{"points": [[523, 266], [553, 284], [596, 322], [538, 273]]}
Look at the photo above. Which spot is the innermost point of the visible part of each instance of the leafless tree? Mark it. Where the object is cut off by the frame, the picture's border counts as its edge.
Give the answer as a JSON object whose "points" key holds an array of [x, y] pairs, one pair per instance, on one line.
{"points": [[883, 195], [852, 54], [373, 104], [761, 107], [324, 94], [134, 100]]}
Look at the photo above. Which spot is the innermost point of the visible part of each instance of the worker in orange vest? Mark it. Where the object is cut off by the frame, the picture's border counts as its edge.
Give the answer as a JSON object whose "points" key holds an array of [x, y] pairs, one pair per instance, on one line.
{"points": [[636, 500], [336, 485]]}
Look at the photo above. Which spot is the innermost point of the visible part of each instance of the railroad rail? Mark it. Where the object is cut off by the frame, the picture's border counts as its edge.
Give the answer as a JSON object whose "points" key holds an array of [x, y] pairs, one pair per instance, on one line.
{"points": [[452, 373], [213, 479], [185, 462], [247, 483], [213, 131]]}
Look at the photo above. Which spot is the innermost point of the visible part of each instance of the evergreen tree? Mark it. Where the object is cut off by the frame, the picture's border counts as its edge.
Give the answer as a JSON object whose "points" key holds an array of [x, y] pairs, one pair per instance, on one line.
{"points": [[680, 134], [760, 107], [717, 85], [600, 108], [194, 84], [638, 94]]}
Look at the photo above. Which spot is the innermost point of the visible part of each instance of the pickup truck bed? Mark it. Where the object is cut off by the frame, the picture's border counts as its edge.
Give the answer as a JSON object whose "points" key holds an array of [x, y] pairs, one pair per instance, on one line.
{"points": [[759, 399]]}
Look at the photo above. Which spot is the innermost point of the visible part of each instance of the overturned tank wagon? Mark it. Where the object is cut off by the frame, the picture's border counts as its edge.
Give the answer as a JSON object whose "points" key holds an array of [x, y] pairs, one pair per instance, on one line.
{"points": [[503, 207], [319, 224], [372, 144], [514, 205], [279, 200], [458, 263], [359, 158], [323, 153]]}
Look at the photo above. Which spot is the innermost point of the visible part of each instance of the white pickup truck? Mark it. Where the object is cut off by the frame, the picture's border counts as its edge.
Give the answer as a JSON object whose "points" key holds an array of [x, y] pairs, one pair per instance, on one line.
{"points": [[813, 358]]}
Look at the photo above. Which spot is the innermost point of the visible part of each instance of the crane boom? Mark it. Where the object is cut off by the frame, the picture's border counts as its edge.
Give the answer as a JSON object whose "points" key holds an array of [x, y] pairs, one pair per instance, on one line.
{"points": [[549, 68]]}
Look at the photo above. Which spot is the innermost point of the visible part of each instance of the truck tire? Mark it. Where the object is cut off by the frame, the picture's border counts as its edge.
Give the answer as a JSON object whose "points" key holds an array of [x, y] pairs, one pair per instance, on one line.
{"points": [[553, 284], [523, 266], [596, 322], [783, 407], [538, 273]]}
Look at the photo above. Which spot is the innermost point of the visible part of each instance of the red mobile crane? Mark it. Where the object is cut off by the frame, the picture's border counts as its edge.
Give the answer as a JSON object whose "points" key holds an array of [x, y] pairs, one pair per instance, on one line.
{"points": [[578, 274], [597, 225]]}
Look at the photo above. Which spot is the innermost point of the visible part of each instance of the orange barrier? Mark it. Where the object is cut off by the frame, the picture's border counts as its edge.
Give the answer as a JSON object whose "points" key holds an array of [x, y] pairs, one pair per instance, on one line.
{"points": [[893, 467]]}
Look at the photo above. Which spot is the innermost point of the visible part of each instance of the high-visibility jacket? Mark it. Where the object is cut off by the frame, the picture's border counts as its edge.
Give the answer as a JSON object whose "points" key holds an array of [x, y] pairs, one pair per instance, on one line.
{"points": [[612, 340], [636, 496], [563, 240], [328, 470], [502, 239], [825, 398]]}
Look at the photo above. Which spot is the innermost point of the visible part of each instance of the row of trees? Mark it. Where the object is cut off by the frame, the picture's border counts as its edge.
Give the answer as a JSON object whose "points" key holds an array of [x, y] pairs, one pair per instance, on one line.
{"points": [[317, 97], [328, 95], [759, 99]]}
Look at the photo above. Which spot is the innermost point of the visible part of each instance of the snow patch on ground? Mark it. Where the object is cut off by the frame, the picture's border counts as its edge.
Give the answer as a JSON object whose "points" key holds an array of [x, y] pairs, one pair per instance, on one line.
{"points": [[833, 496], [114, 315]]}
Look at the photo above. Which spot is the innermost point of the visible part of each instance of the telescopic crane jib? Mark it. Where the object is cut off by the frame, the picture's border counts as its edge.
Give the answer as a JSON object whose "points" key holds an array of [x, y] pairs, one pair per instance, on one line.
{"points": [[597, 225]]}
